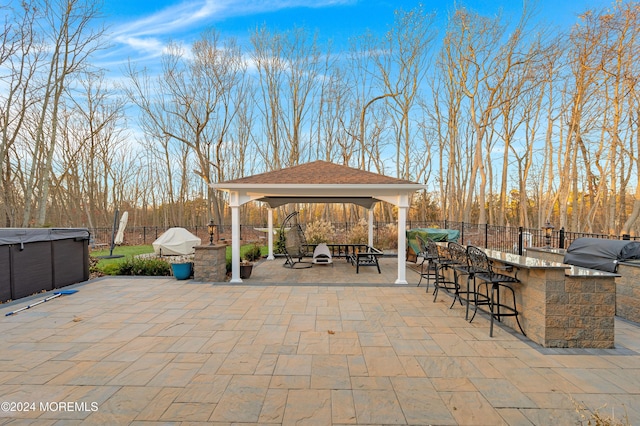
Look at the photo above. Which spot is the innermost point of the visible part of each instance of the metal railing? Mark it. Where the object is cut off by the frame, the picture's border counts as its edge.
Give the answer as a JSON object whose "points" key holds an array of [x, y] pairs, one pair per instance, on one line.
{"points": [[504, 238]]}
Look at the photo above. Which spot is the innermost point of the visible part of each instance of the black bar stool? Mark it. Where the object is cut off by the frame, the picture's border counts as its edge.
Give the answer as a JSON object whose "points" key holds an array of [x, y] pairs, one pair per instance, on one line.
{"points": [[443, 262], [427, 258], [497, 309], [461, 267]]}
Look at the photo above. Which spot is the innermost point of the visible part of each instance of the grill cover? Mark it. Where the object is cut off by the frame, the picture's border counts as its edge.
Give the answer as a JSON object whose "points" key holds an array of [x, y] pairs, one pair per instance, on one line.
{"points": [[601, 254], [176, 241]]}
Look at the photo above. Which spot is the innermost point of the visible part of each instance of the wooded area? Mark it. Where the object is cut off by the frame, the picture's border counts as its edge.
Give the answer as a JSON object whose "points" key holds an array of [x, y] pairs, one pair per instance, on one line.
{"points": [[509, 121]]}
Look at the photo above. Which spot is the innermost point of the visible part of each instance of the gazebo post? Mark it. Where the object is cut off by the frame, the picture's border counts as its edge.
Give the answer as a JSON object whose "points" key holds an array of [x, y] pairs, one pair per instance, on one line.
{"points": [[402, 242], [371, 227], [270, 233], [235, 244]]}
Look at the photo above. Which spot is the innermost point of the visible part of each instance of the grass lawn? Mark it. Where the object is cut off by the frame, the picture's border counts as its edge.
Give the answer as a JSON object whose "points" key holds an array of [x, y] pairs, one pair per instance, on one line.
{"points": [[131, 251], [126, 251]]}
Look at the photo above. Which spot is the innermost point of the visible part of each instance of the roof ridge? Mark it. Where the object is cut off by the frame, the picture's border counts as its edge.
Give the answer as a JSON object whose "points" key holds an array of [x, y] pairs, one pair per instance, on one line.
{"points": [[320, 172]]}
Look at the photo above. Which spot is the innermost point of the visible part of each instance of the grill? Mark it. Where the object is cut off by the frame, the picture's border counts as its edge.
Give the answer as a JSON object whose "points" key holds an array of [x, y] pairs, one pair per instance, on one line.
{"points": [[601, 254]]}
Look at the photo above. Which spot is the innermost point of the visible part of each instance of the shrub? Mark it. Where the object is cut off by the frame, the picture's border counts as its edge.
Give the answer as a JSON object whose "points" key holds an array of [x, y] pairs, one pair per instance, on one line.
{"points": [[253, 253], [319, 232], [359, 233], [146, 267], [94, 271], [109, 269], [280, 242], [388, 236]]}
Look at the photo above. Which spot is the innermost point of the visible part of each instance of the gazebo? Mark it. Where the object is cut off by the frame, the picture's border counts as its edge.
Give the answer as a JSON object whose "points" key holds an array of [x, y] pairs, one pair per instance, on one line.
{"points": [[318, 182]]}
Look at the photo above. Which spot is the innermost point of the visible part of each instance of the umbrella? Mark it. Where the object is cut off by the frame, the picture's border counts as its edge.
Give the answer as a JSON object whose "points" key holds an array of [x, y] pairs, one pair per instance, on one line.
{"points": [[123, 224]]}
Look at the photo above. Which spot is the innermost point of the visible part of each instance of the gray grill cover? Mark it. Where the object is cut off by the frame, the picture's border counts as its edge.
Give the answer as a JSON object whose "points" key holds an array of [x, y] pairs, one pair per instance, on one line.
{"points": [[601, 254]]}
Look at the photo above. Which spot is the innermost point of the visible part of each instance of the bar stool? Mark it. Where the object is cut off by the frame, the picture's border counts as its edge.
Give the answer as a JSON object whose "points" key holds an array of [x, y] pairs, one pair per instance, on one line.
{"points": [[428, 258], [497, 309], [443, 262], [461, 267]]}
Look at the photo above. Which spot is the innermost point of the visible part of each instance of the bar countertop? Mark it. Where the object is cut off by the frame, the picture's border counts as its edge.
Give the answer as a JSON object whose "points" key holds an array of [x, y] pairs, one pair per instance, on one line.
{"points": [[533, 263], [523, 261]]}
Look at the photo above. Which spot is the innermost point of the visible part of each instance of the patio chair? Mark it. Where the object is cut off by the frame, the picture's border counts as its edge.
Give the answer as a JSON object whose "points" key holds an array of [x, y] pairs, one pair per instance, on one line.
{"points": [[462, 267], [443, 262], [428, 257], [499, 283], [295, 246]]}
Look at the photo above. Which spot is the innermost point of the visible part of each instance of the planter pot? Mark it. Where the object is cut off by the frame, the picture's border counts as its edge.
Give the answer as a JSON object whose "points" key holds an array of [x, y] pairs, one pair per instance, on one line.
{"points": [[182, 271], [245, 270]]}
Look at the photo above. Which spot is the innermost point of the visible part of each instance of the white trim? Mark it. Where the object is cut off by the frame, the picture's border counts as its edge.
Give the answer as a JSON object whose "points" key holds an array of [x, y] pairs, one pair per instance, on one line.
{"points": [[370, 235], [235, 244], [402, 242], [270, 233]]}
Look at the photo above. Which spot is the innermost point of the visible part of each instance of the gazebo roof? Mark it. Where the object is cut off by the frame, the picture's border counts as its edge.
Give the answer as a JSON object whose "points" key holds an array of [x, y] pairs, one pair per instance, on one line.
{"points": [[319, 172], [319, 182]]}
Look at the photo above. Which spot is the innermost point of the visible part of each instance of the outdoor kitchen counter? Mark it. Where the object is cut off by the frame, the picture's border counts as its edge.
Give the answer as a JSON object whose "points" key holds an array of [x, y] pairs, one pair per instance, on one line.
{"points": [[627, 282], [560, 305]]}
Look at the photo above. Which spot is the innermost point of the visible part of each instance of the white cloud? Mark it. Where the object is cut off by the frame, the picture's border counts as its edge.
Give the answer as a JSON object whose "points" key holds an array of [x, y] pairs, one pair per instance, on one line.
{"points": [[188, 16]]}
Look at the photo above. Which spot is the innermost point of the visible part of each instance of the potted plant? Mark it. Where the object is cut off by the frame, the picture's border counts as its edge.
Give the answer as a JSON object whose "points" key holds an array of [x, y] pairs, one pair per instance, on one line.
{"points": [[182, 270], [250, 256], [246, 267]]}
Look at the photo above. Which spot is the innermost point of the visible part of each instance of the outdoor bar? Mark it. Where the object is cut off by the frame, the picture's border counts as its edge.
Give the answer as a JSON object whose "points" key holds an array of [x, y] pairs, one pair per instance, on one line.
{"points": [[559, 305], [627, 281]]}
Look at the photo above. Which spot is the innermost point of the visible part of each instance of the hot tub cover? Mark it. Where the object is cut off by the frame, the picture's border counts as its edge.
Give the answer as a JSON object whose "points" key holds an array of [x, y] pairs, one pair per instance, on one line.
{"points": [[31, 235], [176, 241], [601, 254]]}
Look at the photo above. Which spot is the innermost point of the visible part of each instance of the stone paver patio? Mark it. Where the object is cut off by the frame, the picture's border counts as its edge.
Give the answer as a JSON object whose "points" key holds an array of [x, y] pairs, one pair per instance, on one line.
{"points": [[279, 349]]}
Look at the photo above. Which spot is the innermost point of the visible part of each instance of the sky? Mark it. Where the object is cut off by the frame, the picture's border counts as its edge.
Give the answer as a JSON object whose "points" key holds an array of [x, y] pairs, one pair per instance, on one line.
{"points": [[140, 29]]}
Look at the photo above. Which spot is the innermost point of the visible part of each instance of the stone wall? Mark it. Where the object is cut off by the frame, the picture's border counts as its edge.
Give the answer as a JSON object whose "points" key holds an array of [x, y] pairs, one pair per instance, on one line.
{"points": [[584, 313], [210, 263], [627, 284], [572, 309], [628, 292]]}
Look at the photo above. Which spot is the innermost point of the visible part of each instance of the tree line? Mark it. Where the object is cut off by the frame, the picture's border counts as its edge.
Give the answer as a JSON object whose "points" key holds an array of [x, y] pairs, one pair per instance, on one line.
{"points": [[508, 122]]}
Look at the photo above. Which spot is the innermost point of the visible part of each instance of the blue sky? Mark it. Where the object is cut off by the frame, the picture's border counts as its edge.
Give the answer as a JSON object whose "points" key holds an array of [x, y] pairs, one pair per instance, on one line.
{"points": [[141, 28]]}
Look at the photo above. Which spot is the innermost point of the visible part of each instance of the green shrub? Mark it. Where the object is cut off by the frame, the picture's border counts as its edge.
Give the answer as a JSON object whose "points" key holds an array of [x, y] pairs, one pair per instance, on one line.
{"points": [[280, 242], [110, 269], [146, 267], [253, 253]]}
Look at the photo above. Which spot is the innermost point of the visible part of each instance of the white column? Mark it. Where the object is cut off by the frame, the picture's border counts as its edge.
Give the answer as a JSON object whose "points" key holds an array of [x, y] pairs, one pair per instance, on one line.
{"points": [[270, 233], [402, 243], [371, 227], [235, 244]]}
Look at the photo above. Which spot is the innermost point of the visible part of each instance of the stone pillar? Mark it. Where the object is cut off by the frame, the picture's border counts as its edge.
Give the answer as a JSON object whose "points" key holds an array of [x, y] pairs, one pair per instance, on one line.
{"points": [[210, 263]]}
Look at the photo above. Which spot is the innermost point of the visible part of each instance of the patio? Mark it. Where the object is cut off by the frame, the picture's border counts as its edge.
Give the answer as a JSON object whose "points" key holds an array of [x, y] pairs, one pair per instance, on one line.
{"points": [[285, 347]]}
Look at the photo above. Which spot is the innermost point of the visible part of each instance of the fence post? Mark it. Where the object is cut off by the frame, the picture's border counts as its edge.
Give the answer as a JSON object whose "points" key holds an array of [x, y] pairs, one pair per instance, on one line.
{"points": [[520, 240], [486, 235], [461, 232], [561, 238]]}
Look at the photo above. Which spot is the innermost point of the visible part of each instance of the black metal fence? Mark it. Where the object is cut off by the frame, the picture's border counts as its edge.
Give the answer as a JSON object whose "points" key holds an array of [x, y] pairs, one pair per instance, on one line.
{"points": [[504, 238]]}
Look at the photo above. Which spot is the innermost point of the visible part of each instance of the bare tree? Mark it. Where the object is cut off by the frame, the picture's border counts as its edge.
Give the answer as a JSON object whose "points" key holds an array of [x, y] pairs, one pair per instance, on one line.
{"points": [[193, 103], [70, 38], [402, 65]]}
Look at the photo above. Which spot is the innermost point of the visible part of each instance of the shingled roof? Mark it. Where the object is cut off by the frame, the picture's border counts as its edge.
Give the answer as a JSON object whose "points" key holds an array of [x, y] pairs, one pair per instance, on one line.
{"points": [[319, 172]]}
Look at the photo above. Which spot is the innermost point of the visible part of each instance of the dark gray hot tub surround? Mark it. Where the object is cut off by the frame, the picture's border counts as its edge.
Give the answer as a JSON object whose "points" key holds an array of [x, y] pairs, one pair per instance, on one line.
{"points": [[41, 259]]}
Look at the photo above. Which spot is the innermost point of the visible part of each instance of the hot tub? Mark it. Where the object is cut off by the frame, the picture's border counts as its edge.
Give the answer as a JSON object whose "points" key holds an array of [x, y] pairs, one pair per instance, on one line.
{"points": [[37, 259]]}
